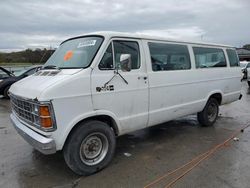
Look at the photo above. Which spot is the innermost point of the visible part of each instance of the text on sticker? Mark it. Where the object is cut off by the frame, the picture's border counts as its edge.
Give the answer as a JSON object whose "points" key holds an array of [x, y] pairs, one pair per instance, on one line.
{"points": [[86, 43]]}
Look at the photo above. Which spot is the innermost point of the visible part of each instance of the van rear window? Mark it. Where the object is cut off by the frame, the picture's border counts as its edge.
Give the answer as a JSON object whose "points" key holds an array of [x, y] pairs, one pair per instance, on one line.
{"points": [[209, 57]]}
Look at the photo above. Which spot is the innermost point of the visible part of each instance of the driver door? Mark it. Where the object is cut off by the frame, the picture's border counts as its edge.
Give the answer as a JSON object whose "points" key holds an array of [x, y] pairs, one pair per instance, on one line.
{"points": [[125, 96]]}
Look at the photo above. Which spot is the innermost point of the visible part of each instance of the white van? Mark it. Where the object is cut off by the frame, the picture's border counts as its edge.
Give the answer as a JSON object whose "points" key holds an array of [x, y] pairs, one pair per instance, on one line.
{"points": [[99, 86]]}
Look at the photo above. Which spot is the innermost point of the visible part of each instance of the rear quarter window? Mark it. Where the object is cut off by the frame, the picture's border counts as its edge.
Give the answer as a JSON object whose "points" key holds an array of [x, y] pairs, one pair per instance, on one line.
{"points": [[233, 58]]}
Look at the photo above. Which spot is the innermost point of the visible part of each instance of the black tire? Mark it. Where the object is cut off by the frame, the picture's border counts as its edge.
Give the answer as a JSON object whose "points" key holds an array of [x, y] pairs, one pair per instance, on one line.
{"points": [[79, 145], [6, 92], [209, 114], [248, 83]]}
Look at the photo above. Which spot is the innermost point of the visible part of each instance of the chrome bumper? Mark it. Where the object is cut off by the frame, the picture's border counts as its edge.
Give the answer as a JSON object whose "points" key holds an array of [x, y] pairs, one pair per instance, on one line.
{"points": [[39, 142]]}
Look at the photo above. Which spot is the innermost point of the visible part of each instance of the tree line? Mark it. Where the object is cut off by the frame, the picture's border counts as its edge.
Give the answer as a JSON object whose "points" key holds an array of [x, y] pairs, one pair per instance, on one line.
{"points": [[37, 56], [247, 46]]}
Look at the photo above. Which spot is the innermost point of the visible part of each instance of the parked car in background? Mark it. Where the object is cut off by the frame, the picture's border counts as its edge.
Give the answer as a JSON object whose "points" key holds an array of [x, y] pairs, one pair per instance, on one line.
{"points": [[7, 78], [4, 73], [244, 65]]}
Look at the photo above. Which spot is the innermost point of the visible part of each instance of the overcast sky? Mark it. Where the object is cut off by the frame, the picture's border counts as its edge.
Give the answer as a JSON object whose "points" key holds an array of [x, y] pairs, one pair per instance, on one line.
{"points": [[32, 24]]}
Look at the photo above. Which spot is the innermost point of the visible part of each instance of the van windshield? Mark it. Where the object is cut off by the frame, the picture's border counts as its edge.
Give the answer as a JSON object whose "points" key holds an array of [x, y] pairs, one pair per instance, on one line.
{"points": [[75, 53]]}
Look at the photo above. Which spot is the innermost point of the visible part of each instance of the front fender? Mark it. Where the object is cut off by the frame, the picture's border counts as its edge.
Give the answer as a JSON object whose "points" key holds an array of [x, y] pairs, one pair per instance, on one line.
{"points": [[81, 118]]}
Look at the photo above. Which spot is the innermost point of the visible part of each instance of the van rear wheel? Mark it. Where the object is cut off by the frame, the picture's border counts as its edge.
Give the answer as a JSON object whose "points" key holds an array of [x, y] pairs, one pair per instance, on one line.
{"points": [[209, 114], [90, 147]]}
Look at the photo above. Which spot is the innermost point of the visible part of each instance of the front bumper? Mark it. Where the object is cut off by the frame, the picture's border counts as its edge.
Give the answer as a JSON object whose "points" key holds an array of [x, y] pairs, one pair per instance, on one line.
{"points": [[39, 142]]}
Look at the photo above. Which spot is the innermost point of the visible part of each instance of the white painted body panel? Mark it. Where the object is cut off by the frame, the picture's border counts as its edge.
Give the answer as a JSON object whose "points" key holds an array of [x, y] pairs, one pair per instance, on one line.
{"points": [[33, 86], [129, 102], [172, 95], [182, 92], [163, 96], [70, 95]]}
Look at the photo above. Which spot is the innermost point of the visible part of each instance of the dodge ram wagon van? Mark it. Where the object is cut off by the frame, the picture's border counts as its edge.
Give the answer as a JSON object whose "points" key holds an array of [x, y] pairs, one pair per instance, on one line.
{"points": [[99, 86]]}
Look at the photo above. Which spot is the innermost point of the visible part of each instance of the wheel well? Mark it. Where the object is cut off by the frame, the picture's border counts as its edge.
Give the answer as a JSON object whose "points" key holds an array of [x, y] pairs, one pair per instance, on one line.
{"points": [[6, 87], [3, 91], [104, 118], [217, 96]]}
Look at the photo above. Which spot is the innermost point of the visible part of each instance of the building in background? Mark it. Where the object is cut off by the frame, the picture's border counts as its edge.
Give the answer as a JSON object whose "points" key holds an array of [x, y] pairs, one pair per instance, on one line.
{"points": [[244, 54]]}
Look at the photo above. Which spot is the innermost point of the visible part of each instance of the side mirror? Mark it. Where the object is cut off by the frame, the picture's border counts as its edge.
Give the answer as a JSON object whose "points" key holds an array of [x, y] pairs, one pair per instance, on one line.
{"points": [[125, 62]]}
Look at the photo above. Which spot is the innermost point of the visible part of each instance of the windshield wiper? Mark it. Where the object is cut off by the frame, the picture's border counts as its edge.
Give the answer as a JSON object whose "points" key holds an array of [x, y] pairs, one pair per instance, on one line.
{"points": [[51, 67]]}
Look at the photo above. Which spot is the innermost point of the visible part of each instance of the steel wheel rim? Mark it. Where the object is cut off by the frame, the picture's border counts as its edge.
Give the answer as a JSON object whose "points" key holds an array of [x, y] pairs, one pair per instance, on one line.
{"points": [[212, 112], [94, 148]]}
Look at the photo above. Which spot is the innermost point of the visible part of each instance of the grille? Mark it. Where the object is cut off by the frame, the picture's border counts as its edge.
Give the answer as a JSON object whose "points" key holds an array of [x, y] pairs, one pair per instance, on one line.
{"points": [[24, 110]]}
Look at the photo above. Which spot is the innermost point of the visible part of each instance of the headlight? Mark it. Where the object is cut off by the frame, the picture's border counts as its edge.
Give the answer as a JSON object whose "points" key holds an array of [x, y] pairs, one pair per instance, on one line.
{"points": [[36, 109], [44, 116], [1, 80]]}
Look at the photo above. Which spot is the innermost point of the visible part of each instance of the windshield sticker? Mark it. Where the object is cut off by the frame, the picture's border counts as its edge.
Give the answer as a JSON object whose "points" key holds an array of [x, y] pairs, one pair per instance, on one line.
{"points": [[86, 43], [68, 55]]}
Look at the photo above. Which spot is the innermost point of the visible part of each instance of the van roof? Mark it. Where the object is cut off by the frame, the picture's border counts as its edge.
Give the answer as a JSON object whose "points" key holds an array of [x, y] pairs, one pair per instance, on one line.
{"points": [[111, 34]]}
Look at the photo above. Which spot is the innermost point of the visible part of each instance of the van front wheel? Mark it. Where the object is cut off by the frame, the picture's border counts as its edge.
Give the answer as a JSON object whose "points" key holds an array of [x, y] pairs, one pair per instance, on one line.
{"points": [[209, 114], [90, 147]]}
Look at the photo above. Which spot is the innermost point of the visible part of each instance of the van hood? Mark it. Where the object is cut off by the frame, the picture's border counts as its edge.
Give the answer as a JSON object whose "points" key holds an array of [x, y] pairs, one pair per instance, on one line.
{"points": [[32, 86]]}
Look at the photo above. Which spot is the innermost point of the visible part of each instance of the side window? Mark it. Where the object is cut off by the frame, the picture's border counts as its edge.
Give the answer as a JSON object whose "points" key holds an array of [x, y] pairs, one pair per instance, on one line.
{"points": [[233, 58], [209, 57], [127, 47], [120, 47], [165, 57], [107, 60]]}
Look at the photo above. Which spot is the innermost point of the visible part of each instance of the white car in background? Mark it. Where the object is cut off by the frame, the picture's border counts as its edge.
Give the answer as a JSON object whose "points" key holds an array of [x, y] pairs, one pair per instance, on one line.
{"points": [[244, 65], [248, 74]]}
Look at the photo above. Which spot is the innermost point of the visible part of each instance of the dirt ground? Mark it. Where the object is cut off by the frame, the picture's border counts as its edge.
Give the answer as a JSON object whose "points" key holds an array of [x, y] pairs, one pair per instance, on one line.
{"points": [[142, 156]]}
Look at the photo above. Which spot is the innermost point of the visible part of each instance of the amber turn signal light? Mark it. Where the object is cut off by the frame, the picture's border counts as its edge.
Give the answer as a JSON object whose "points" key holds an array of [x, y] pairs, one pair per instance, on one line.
{"points": [[44, 111], [46, 122]]}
